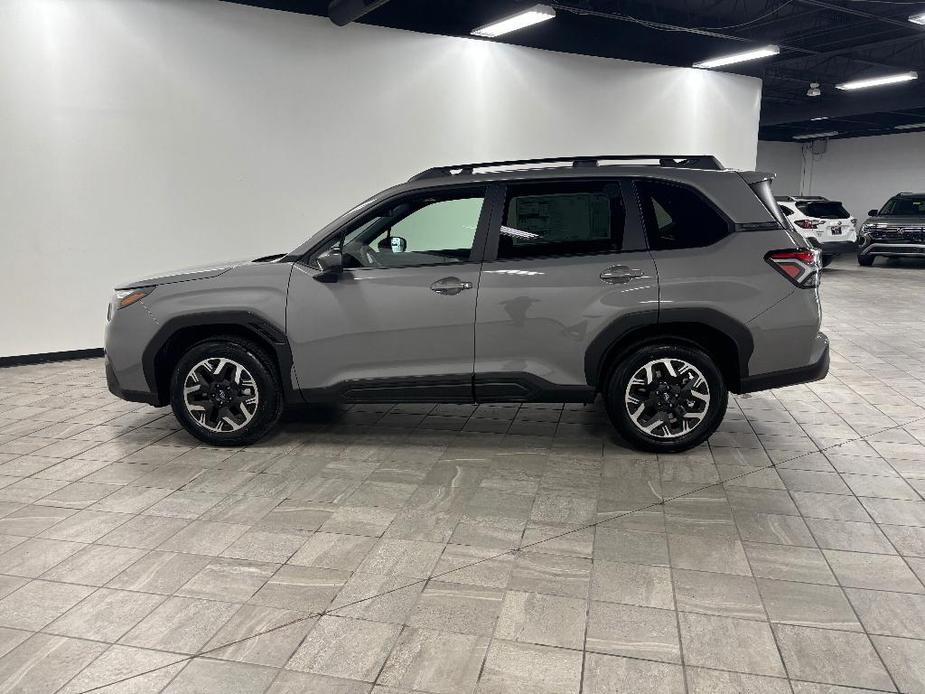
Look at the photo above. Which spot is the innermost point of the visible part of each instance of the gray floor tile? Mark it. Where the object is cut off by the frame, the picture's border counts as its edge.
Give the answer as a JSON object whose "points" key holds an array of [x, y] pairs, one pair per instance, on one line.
{"points": [[729, 644], [636, 632], [520, 668], [292, 682], [851, 536], [44, 663], [724, 595], [307, 588], [789, 563], [106, 615], [203, 676], [606, 673], [260, 635], [807, 604], [231, 580], [149, 671], [38, 603], [160, 572], [717, 554], [456, 607], [94, 565], [833, 657], [538, 618], [878, 571], [347, 648], [892, 614], [905, 659], [550, 573], [181, 625], [633, 584], [435, 661], [333, 551], [700, 681]]}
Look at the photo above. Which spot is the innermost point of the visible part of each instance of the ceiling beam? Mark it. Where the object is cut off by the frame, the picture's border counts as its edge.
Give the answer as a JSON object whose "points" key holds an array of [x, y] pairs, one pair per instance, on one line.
{"points": [[843, 105], [342, 12], [857, 13], [856, 48]]}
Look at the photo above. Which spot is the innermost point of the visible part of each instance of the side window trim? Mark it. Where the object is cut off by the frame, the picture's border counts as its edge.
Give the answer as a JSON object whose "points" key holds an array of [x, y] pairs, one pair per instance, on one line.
{"points": [[487, 190], [634, 236]]}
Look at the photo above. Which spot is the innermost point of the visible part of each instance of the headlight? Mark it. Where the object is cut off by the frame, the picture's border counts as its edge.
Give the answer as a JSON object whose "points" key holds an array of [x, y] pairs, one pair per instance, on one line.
{"points": [[126, 297]]}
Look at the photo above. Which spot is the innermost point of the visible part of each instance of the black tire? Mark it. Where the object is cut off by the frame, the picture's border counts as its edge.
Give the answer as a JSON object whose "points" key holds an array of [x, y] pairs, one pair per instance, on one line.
{"points": [[260, 367], [615, 398], [827, 260], [865, 260]]}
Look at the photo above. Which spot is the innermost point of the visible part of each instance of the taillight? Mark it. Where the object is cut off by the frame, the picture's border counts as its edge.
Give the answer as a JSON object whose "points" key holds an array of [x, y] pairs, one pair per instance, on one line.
{"points": [[799, 265], [806, 224]]}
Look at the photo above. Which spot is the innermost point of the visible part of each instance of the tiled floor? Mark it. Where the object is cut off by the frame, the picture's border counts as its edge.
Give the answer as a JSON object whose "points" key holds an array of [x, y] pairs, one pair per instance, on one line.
{"points": [[501, 549]]}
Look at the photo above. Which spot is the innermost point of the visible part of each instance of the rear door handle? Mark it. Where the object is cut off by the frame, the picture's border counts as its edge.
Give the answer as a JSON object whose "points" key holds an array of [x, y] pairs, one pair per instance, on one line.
{"points": [[621, 274], [450, 286]]}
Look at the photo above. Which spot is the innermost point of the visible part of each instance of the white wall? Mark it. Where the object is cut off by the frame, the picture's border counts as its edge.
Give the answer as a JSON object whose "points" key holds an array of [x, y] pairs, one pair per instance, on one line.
{"points": [[783, 158], [862, 172], [143, 135]]}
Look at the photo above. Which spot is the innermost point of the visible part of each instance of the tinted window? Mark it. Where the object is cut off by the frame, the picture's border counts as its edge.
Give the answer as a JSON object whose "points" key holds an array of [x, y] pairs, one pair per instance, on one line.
{"points": [[906, 205], [828, 209], [678, 217], [421, 230], [562, 218]]}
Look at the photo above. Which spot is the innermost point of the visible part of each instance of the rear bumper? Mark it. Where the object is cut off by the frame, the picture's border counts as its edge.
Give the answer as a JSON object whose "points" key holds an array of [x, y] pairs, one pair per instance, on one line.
{"points": [[778, 379], [838, 247]]}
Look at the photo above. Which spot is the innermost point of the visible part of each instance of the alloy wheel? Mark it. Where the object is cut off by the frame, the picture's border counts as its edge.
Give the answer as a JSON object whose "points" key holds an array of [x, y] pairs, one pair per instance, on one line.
{"points": [[667, 398], [220, 394]]}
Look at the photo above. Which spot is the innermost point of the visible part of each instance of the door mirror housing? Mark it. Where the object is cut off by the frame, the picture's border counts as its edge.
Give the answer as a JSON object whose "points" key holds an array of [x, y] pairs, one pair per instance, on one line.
{"points": [[399, 244], [330, 266], [872, 213]]}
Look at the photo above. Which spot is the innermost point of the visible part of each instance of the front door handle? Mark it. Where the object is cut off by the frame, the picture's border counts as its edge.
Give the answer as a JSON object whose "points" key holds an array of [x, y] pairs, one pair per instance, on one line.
{"points": [[621, 274], [450, 286]]}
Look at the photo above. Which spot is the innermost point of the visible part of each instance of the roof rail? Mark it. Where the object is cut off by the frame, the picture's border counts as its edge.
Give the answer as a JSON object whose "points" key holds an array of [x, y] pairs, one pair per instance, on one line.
{"points": [[700, 161]]}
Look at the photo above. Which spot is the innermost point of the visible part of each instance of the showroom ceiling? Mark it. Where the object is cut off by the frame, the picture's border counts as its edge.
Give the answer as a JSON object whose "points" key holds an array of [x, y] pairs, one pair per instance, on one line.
{"points": [[823, 41]]}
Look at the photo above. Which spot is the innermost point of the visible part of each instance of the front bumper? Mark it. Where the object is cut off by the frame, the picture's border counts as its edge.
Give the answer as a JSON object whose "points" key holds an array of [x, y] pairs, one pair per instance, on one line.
{"points": [[892, 249], [131, 395], [814, 371]]}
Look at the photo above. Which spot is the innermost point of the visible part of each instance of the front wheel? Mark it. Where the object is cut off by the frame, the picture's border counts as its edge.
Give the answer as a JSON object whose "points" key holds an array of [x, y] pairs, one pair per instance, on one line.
{"points": [[225, 392], [865, 260], [666, 398]]}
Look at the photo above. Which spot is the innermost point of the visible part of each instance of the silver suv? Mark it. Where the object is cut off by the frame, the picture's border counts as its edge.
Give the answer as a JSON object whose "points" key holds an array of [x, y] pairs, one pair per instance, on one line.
{"points": [[894, 231], [661, 286]]}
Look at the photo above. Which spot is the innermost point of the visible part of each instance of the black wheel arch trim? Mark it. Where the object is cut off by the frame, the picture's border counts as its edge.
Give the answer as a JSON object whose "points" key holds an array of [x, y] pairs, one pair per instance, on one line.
{"points": [[269, 334], [620, 333]]}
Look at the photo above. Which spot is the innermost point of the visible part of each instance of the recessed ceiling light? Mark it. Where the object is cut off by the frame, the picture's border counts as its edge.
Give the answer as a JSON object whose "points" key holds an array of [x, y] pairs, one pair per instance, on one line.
{"points": [[878, 81], [815, 136], [535, 15], [820, 118], [918, 18], [909, 126], [741, 57]]}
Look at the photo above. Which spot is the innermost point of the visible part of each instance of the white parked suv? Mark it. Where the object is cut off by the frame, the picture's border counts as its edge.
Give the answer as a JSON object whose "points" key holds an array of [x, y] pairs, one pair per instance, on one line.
{"points": [[825, 224]]}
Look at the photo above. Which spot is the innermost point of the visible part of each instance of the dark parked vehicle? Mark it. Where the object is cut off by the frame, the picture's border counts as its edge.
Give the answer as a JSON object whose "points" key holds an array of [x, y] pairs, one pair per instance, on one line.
{"points": [[896, 230]]}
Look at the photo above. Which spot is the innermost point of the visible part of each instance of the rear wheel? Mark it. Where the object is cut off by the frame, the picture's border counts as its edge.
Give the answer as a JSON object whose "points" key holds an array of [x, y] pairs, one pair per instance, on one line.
{"points": [[827, 260], [666, 398], [225, 392], [865, 260]]}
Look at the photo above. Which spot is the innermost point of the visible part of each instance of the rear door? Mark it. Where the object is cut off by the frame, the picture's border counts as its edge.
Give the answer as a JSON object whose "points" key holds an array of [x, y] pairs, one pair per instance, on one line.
{"points": [[563, 260]]}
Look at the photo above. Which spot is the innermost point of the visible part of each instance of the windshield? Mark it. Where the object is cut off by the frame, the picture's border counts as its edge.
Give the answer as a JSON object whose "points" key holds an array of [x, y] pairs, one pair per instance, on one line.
{"points": [[827, 209], [911, 206]]}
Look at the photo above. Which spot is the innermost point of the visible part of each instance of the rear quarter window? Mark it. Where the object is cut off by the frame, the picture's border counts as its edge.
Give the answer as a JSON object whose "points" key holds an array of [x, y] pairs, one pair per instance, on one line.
{"points": [[679, 217]]}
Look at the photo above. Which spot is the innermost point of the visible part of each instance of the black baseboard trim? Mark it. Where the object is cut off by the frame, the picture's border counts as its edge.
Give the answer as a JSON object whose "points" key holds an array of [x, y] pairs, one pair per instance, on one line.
{"points": [[45, 357]]}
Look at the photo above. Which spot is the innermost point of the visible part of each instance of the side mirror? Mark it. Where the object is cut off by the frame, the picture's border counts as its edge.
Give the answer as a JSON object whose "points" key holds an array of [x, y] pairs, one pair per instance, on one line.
{"points": [[399, 244], [330, 265], [872, 213]]}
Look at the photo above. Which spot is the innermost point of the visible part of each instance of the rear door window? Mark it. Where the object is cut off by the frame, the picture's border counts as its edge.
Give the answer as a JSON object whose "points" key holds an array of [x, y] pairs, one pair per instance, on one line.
{"points": [[562, 218], [824, 209], [679, 217]]}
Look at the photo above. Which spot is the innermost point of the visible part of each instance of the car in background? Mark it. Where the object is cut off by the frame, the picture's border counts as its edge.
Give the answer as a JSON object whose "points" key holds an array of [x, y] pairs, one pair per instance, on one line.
{"points": [[895, 230], [825, 224]]}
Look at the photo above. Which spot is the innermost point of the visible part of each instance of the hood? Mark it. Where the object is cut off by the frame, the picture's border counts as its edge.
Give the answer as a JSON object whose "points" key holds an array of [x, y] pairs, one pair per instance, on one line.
{"points": [[897, 219], [199, 272]]}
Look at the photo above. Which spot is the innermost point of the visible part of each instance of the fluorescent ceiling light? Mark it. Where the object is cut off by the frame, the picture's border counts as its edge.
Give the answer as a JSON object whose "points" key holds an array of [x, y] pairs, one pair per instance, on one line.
{"points": [[878, 81], [740, 57], [535, 15], [918, 18], [909, 126], [815, 136], [820, 118]]}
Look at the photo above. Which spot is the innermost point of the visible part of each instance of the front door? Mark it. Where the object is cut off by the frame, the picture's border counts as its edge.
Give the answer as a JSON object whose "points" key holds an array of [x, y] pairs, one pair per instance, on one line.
{"points": [[568, 261], [397, 322]]}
